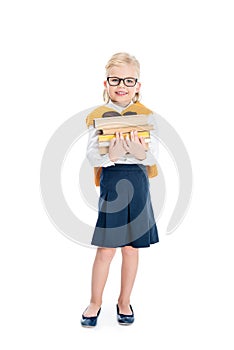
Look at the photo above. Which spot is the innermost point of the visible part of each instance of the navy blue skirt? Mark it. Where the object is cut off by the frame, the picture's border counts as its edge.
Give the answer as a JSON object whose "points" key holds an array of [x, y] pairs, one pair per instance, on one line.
{"points": [[125, 216]]}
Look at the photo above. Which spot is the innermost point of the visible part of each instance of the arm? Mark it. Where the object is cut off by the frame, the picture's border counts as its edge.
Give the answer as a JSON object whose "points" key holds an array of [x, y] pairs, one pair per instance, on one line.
{"points": [[92, 152], [152, 153]]}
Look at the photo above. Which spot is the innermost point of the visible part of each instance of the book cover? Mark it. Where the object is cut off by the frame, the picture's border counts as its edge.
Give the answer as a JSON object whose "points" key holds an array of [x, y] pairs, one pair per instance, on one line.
{"points": [[120, 121], [126, 129]]}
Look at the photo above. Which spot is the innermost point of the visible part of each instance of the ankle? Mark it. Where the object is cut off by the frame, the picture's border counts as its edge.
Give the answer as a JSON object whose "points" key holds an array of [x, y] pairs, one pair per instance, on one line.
{"points": [[95, 304], [124, 308], [92, 310], [123, 303]]}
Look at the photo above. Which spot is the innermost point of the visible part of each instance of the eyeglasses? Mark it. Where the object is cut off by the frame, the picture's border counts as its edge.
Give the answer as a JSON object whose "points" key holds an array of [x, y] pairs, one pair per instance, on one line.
{"points": [[115, 81]]}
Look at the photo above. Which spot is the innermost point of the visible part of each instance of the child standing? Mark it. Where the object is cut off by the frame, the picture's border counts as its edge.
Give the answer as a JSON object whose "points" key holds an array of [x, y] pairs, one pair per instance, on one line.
{"points": [[125, 217]]}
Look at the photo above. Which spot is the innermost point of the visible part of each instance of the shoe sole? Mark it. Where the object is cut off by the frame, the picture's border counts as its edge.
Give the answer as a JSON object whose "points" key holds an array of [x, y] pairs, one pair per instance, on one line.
{"points": [[125, 323]]}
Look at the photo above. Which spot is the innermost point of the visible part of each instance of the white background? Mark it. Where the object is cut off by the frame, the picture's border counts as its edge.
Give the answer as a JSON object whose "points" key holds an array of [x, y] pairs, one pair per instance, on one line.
{"points": [[53, 55]]}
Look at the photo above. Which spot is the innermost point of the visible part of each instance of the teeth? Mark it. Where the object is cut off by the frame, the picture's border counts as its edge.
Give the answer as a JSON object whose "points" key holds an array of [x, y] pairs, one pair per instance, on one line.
{"points": [[121, 93]]}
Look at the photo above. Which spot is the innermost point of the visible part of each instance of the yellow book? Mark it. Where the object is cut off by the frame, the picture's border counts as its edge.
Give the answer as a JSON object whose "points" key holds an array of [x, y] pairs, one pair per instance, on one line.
{"points": [[102, 138], [107, 143], [105, 149]]}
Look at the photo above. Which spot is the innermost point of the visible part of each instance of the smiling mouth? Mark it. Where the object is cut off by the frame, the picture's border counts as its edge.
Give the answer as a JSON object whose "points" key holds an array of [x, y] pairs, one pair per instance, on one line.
{"points": [[121, 93]]}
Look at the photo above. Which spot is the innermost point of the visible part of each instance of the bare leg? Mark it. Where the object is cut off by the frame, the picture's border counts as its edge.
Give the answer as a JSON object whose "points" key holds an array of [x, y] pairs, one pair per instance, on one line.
{"points": [[100, 272], [128, 274]]}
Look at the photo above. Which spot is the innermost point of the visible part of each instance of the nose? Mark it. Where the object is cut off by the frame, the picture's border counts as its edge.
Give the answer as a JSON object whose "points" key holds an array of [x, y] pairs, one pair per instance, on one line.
{"points": [[121, 83]]}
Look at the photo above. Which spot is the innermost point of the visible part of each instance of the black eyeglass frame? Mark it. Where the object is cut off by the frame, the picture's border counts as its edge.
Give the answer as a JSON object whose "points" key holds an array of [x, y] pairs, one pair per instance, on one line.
{"points": [[122, 79]]}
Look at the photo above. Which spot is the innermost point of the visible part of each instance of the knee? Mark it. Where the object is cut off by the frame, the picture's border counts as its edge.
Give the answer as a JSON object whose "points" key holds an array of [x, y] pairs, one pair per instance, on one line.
{"points": [[106, 254], [129, 251]]}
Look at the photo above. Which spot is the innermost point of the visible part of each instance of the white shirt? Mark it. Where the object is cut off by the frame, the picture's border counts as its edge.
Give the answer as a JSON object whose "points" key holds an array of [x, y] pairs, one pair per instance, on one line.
{"points": [[98, 160]]}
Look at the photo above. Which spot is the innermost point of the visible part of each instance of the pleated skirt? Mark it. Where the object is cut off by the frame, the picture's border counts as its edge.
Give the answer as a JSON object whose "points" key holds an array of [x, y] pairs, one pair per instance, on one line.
{"points": [[125, 213]]}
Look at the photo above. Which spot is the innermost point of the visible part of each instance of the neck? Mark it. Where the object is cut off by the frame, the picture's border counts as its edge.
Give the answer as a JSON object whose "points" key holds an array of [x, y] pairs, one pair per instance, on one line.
{"points": [[121, 105]]}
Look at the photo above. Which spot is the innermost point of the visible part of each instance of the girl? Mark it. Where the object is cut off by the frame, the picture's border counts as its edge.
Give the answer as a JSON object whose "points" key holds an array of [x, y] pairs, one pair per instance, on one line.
{"points": [[125, 217]]}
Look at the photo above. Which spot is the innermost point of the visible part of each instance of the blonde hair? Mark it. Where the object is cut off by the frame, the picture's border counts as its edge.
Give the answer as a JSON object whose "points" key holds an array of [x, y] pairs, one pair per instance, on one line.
{"points": [[116, 60]]}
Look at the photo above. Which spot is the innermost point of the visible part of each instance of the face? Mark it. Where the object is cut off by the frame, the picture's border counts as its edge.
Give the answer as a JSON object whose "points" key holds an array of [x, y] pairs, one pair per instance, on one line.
{"points": [[121, 94]]}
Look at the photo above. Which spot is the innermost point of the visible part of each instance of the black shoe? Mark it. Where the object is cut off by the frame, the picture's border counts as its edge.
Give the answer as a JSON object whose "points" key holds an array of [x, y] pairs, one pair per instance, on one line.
{"points": [[89, 321], [125, 319]]}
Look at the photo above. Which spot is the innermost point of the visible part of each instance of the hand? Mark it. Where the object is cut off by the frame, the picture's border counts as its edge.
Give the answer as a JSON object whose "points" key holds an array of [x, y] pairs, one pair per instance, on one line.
{"points": [[136, 146], [116, 148]]}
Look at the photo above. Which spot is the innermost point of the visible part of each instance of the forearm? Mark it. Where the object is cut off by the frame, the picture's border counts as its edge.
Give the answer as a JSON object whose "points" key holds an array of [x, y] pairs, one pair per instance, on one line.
{"points": [[92, 153]]}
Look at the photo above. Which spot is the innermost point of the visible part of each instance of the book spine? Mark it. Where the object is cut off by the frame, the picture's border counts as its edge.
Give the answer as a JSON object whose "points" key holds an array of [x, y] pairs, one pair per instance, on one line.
{"points": [[144, 134], [126, 129], [116, 122], [107, 143]]}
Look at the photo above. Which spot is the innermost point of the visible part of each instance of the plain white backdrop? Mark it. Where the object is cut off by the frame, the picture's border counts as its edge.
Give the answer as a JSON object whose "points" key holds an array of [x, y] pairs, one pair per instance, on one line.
{"points": [[53, 55]]}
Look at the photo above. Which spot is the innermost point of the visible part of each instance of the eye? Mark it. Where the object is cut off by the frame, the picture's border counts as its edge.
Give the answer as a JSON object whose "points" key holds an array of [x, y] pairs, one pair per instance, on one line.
{"points": [[114, 80]]}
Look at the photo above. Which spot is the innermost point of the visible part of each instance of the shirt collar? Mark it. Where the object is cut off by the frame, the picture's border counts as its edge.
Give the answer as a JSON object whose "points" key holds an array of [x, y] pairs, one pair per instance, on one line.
{"points": [[117, 107]]}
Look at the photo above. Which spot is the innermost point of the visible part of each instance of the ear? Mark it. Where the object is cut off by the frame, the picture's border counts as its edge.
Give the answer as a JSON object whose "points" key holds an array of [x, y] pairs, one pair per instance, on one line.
{"points": [[104, 83], [138, 87]]}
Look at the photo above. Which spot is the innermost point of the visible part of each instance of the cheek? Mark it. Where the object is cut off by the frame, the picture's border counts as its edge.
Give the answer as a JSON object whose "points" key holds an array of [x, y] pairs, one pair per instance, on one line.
{"points": [[133, 92], [110, 90]]}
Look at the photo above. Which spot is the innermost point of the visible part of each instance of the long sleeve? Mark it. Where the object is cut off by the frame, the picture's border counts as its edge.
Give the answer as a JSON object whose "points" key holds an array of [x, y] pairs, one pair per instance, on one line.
{"points": [[92, 152], [152, 153]]}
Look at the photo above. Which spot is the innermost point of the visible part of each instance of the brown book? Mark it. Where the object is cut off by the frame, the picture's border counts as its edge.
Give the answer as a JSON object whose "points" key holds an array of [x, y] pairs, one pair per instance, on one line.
{"points": [[121, 121], [103, 150], [127, 129]]}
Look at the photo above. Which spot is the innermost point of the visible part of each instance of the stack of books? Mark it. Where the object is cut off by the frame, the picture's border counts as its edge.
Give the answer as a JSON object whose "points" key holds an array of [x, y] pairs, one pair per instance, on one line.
{"points": [[107, 128]]}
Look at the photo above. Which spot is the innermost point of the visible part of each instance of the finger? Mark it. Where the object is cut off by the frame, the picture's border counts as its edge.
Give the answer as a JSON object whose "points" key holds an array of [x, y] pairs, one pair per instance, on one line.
{"points": [[121, 136], [112, 142], [137, 138], [127, 141], [142, 141], [132, 136], [125, 146]]}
